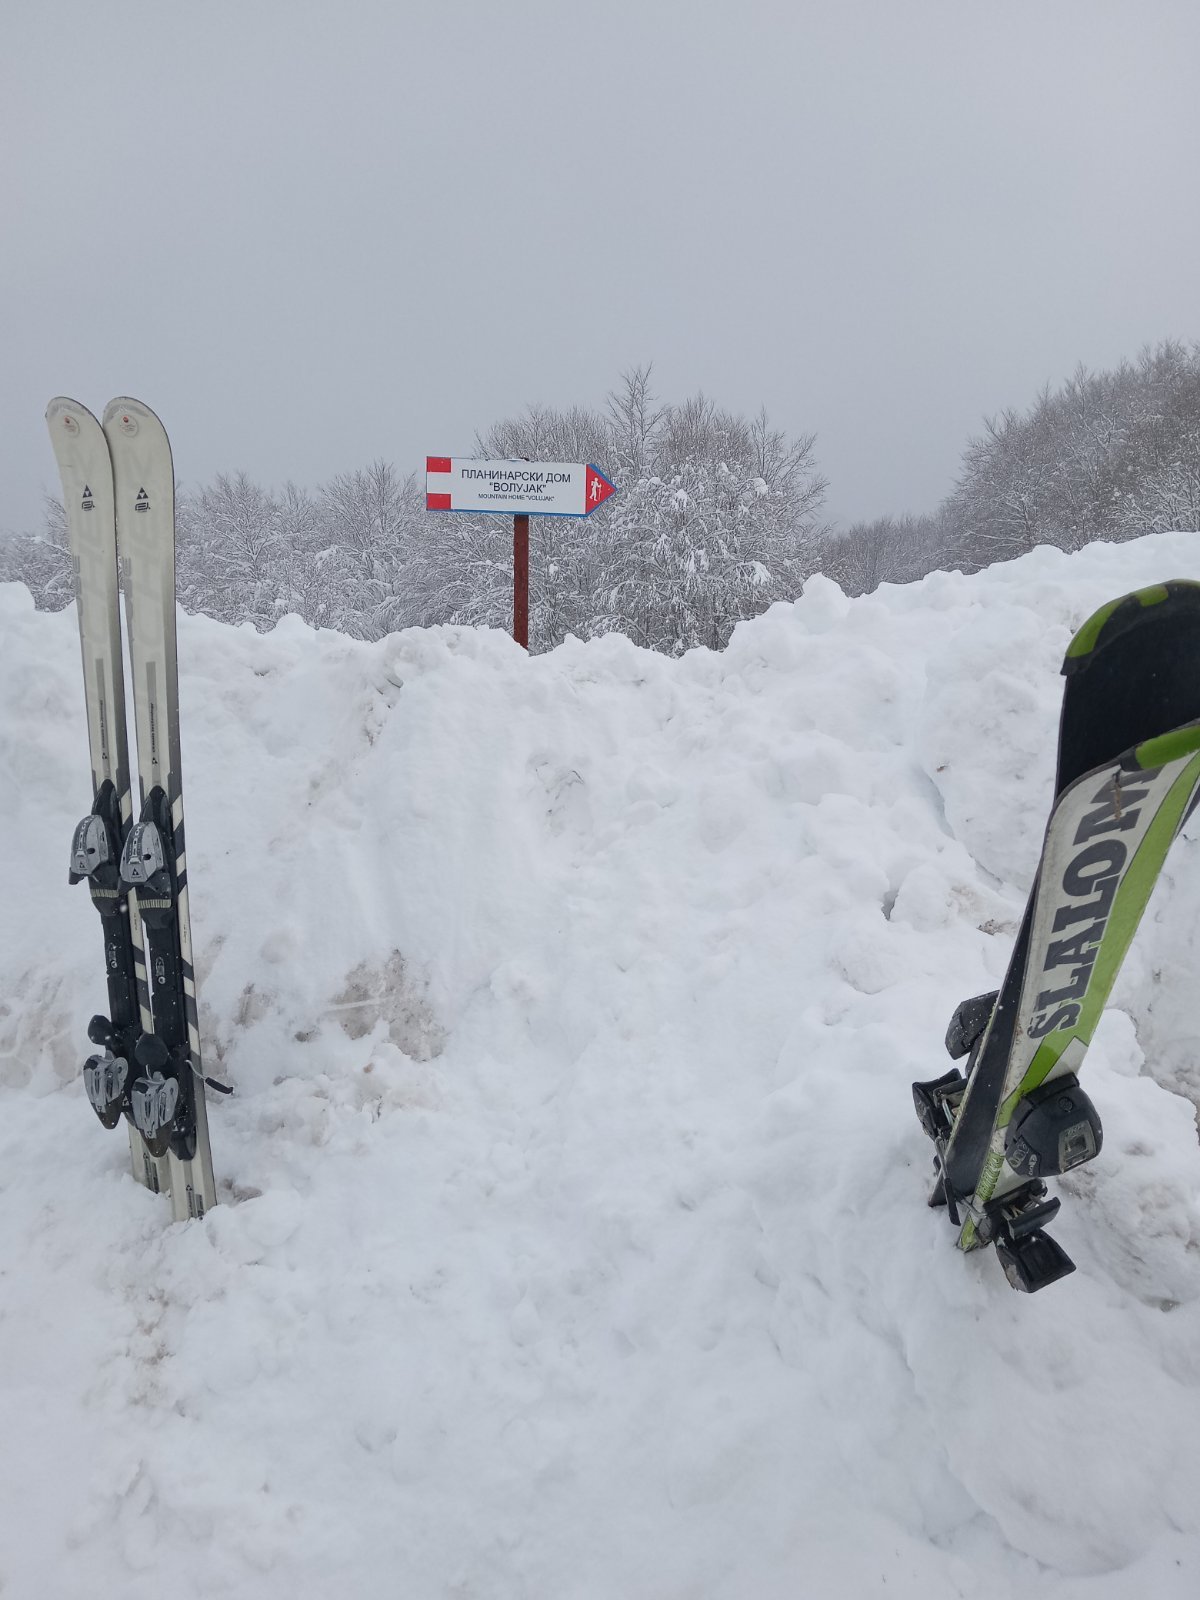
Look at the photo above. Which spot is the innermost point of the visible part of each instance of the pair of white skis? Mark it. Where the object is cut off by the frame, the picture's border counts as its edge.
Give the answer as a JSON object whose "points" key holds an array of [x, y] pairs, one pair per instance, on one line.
{"points": [[119, 496]]}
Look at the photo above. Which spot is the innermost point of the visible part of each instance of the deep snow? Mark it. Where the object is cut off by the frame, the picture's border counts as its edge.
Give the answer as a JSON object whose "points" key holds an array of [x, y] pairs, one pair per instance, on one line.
{"points": [[575, 1241]]}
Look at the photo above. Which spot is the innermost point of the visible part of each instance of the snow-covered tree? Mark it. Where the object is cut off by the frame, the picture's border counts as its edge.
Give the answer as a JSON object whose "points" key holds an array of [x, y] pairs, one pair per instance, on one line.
{"points": [[41, 561]]}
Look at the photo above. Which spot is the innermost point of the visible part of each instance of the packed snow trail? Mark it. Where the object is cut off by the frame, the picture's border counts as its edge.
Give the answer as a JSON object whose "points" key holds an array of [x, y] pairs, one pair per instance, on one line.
{"points": [[574, 1239]]}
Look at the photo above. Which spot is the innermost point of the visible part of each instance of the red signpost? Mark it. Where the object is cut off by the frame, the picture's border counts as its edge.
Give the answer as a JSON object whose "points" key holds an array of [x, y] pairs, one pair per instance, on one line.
{"points": [[521, 580], [518, 489]]}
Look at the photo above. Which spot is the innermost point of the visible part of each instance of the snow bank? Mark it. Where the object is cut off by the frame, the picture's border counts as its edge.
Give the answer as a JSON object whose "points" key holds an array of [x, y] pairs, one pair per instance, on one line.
{"points": [[575, 1241]]}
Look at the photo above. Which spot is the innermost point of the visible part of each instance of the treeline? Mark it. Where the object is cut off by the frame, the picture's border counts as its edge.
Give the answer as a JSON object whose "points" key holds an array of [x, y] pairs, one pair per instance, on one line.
{"points": [[718, 516], [1109, 455]]}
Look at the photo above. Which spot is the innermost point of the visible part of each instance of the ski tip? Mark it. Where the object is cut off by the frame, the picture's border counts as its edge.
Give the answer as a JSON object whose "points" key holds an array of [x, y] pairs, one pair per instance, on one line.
{"points": [[130, 425], [126, 415], [64, 415]]}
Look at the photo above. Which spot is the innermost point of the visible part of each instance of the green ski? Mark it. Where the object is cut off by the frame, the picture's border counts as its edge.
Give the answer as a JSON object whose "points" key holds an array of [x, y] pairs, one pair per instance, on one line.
{"points": [[1128, 777]]}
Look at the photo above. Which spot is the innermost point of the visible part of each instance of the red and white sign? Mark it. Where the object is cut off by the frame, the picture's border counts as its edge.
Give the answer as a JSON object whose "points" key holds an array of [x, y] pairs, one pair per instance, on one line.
{"points": [[518, 488]]}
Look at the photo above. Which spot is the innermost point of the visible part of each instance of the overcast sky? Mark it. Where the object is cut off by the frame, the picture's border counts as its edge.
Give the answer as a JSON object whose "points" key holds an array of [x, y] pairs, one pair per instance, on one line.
{"points": [[311, 233]]}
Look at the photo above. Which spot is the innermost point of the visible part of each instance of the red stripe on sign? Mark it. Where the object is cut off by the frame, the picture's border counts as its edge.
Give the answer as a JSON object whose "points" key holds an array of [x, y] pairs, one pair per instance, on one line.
{"points": [[437, 463], [437, 502]]}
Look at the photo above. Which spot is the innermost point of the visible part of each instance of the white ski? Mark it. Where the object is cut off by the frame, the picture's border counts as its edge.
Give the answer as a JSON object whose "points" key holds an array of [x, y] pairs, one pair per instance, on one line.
{"points": [[85, 468], [168, 1093]]}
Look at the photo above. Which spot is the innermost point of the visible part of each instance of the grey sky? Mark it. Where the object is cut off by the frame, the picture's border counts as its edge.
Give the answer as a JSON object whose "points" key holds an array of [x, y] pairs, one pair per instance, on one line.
{"points": [[310, 233]]}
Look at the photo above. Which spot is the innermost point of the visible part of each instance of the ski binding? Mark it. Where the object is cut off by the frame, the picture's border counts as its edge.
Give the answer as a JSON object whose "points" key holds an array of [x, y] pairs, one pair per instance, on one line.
{"points": [[154, 1096], [106, 1082]]}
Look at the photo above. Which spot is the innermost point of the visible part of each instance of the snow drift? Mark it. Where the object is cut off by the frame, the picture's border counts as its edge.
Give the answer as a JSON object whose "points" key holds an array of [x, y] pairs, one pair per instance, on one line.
{"points": [[574, 1240]]}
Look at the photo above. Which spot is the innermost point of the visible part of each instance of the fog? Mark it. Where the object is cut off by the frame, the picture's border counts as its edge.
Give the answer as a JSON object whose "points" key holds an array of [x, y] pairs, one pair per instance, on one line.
{"points": [[311, 236]]}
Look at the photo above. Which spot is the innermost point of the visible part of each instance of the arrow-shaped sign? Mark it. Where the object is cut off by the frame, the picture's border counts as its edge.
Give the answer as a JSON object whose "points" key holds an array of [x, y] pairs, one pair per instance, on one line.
{"points": [[515, 488]]}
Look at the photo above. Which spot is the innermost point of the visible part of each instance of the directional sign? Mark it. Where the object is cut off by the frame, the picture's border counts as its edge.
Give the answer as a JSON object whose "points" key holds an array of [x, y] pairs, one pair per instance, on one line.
{"points": [[517, 488]]}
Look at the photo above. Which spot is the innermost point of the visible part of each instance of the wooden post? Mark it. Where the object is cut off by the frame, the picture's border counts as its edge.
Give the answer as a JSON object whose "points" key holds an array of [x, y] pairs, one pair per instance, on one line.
{"points": [[521, 580]]}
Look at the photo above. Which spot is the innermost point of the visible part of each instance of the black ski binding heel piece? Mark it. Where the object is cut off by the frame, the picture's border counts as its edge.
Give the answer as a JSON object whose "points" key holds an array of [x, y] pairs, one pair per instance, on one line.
{"points": [[154, 1096], [937, 1102], [106, 1076]]}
